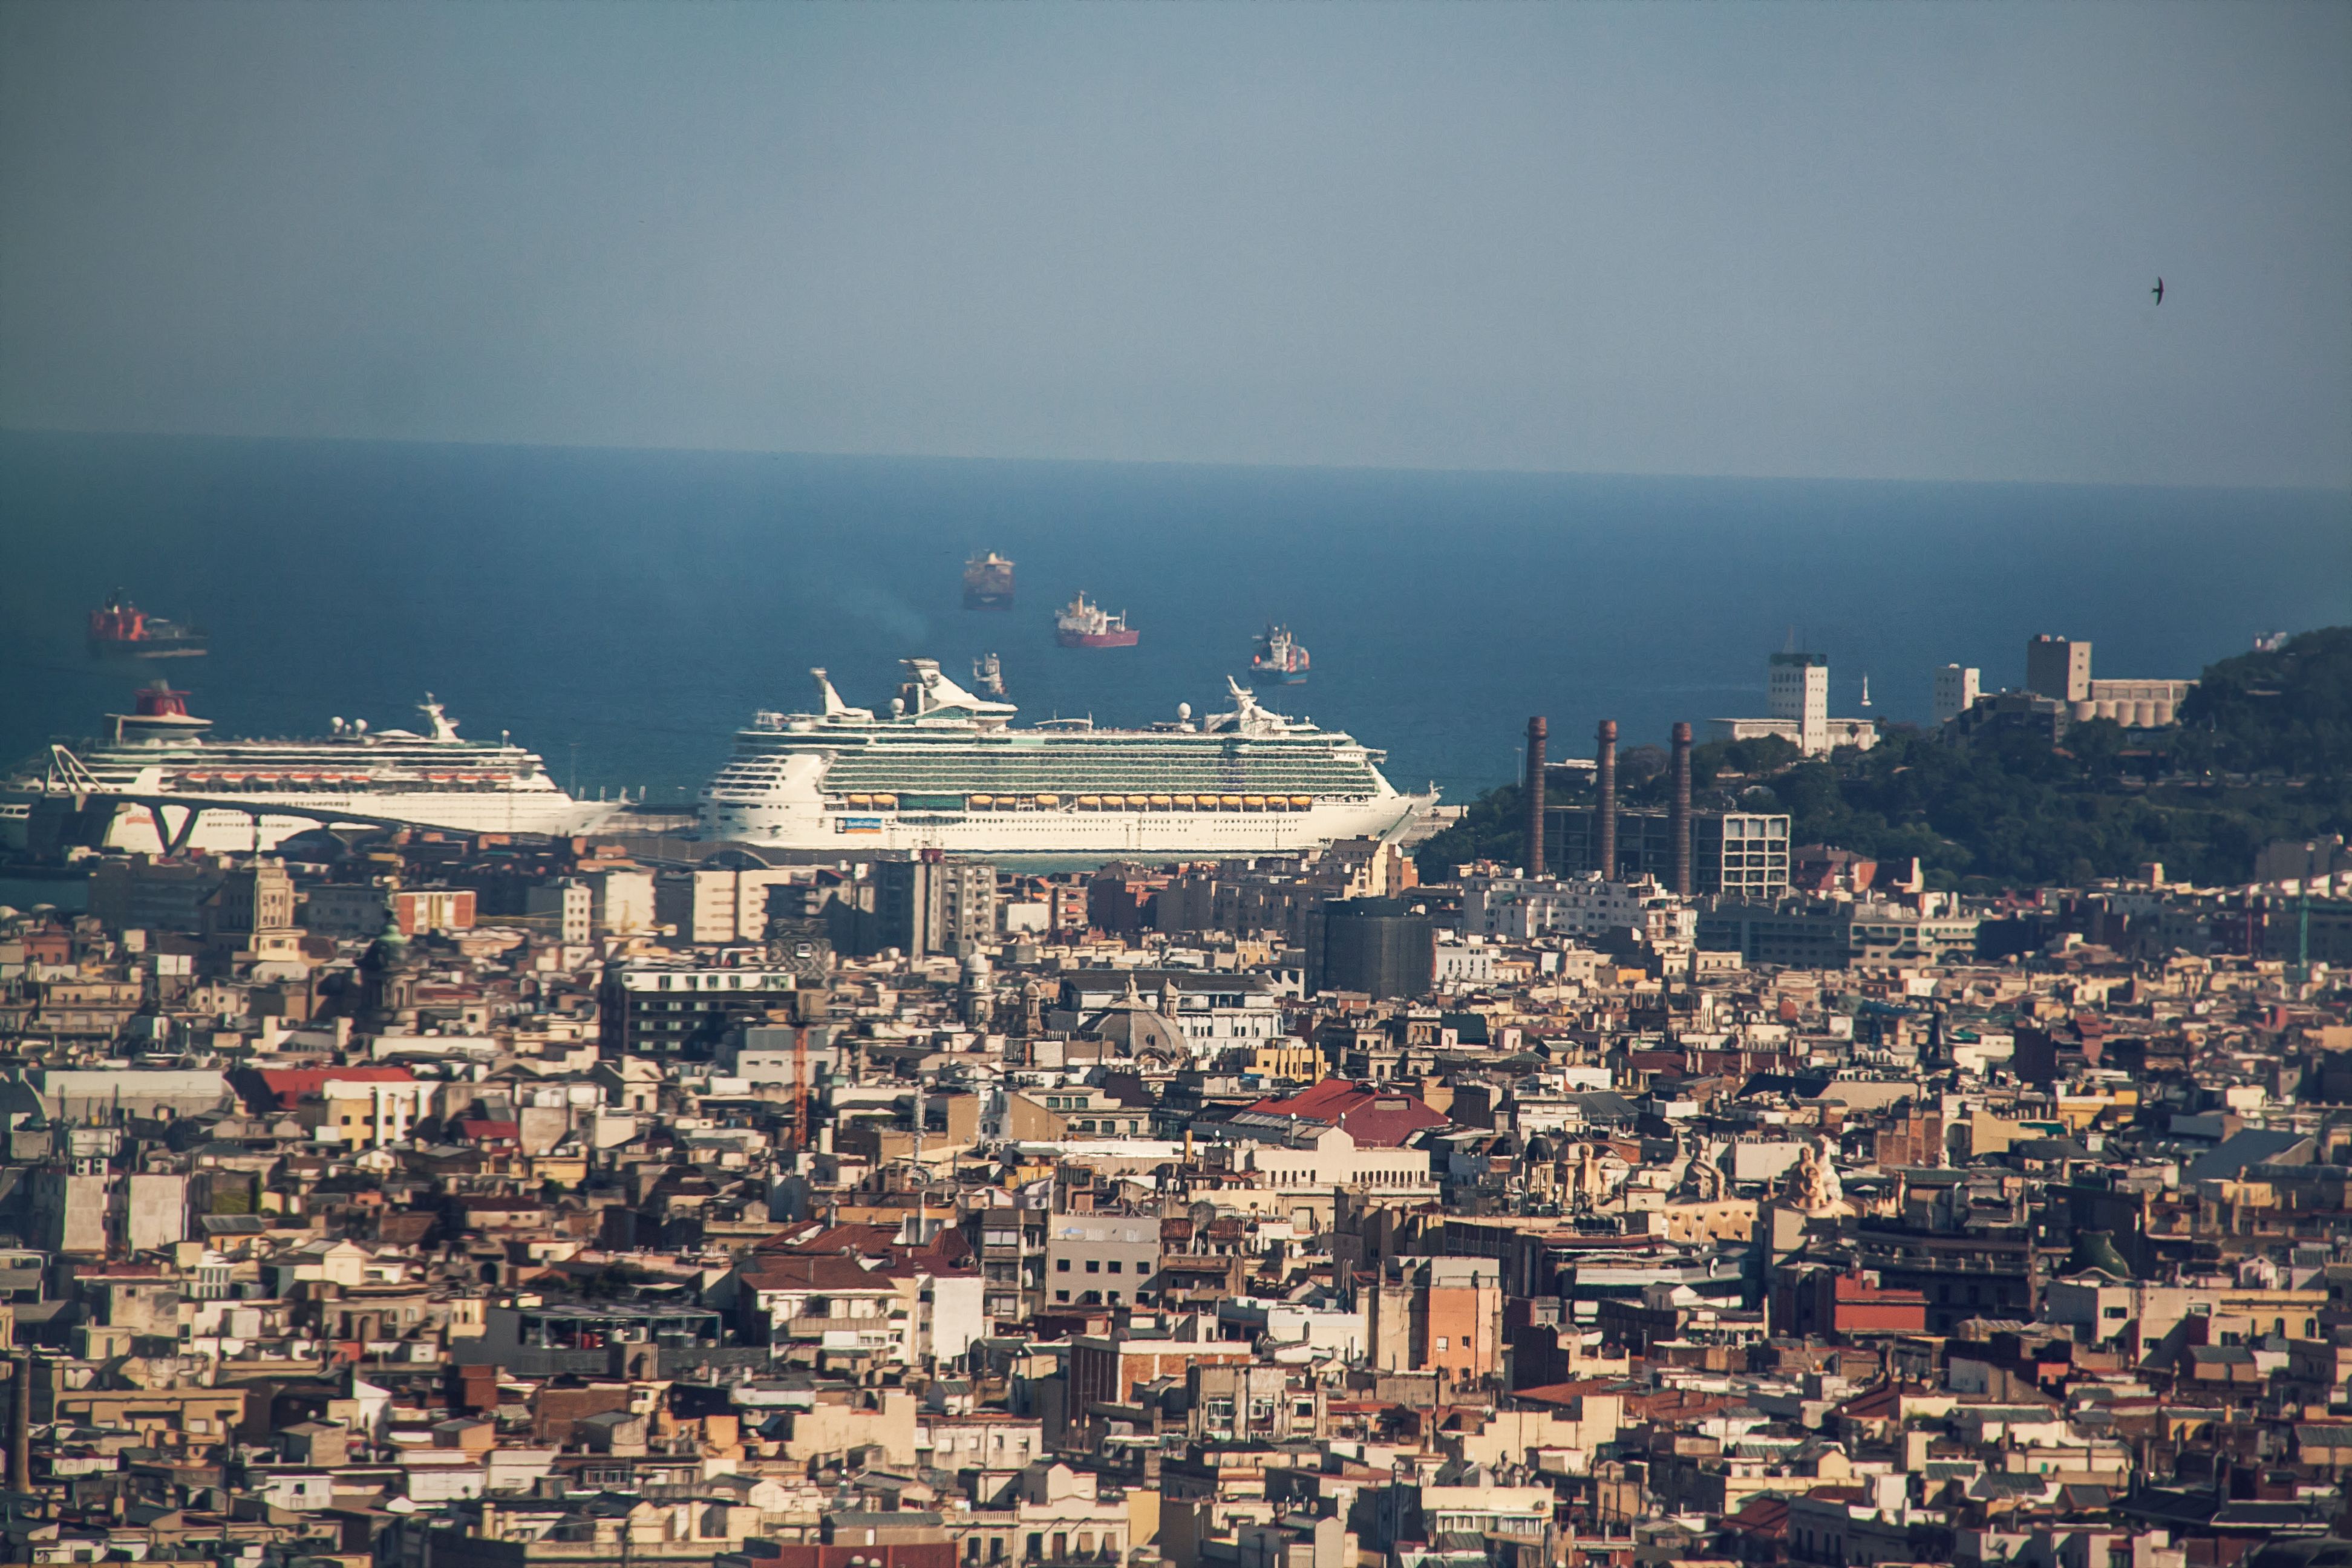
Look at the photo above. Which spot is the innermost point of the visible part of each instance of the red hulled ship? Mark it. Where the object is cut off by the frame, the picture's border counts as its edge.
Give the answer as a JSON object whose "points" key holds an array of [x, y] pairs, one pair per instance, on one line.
{"points": [[122, 630], [1085, 624]]}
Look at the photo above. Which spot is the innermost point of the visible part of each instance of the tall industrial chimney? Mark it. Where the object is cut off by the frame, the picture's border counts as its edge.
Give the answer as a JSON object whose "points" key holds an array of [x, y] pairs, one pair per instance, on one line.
{"points": [[20, 1422], [1604, 778], [1679, 827], [1533, 860]]}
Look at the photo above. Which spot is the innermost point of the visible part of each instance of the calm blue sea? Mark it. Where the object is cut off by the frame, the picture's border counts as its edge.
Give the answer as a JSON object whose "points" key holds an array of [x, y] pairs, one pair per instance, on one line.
{"points": [[623, 612]]}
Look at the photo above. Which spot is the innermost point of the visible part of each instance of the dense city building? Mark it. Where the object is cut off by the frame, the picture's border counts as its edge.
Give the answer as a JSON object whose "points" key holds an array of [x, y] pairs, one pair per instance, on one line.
{"points": [[911, 1212]]}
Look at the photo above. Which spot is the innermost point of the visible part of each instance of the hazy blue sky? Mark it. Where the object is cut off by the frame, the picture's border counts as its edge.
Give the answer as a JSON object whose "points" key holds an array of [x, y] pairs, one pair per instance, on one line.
{"points": [[1909, 241]]}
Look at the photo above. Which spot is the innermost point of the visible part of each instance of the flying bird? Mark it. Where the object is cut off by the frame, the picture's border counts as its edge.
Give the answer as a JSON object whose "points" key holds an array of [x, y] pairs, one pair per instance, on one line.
{"points": [[2158, 290]]}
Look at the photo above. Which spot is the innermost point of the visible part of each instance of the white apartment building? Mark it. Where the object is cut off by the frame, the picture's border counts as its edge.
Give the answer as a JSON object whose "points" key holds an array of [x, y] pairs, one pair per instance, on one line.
{"points": [[1956, 688], [1520, 908], [1463, 964], [1329, 1157], [1211, 1012], [621, 900], [1896, 934]]}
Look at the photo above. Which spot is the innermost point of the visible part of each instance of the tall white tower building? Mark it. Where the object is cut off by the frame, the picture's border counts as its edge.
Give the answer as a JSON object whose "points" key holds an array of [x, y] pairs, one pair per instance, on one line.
{"points": [[1797, 692], [1955, 691], [1798, 689]]}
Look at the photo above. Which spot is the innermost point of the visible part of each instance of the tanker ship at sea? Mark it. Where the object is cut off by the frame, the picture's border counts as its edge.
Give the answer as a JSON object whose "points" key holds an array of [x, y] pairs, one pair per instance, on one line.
{"points": [[1280, 658], [167, 757], [948, 770], [988, 583], [1083, 624]]}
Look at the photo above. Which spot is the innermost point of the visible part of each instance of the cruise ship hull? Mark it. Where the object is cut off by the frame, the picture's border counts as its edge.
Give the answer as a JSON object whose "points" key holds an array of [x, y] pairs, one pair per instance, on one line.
{"points": [[219, 830], [1166, 834]]}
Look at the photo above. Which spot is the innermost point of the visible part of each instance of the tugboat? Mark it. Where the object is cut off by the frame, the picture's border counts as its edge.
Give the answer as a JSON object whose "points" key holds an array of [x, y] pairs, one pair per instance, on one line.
{"points": [[123, 630], [1279, 660], [988, 583], [1083, 624], [988, 675]]}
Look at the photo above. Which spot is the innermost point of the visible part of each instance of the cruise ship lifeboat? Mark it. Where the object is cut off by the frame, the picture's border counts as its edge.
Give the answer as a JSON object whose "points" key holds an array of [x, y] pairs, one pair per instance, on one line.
{"points": [[1229, 801], [1049, 800], [885, 803], [1162, 802], [857, 802], [979, 802], [1138, 802], [1253, 802], [1090, 803], [1302, 802]]}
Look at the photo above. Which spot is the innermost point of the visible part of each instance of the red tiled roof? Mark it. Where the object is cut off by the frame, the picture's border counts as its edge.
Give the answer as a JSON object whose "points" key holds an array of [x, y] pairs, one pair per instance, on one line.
{"points": [[831, 1238], [949, 1252], [1375, 1118], [1559, 1392], [788, 1271], [283, 1088], [1766, 1515]]}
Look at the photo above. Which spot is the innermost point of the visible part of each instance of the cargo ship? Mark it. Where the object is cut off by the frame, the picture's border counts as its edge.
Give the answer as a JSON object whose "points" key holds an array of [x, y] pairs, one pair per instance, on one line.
{"points": [[162, 752], [1279, 660], [122, 630], [988, 583], [1084, 625], [947, 769]]}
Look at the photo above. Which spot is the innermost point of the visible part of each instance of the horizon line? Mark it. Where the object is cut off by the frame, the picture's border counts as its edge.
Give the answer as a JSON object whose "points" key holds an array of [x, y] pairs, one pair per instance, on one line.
{"points": [[2343, 491]]}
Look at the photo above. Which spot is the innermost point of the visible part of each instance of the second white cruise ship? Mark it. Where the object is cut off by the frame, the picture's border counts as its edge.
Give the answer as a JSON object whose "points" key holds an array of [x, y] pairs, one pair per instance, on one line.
{"points": [[947, 770], [159, 754]]}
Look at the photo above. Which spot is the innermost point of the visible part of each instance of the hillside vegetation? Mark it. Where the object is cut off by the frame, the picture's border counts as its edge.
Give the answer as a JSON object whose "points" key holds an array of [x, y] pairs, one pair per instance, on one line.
{"points": [[2263, 751]]}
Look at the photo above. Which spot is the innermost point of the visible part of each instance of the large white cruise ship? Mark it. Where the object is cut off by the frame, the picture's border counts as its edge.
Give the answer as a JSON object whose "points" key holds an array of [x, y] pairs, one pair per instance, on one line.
{"points": [[947, 770], [161, 753]]}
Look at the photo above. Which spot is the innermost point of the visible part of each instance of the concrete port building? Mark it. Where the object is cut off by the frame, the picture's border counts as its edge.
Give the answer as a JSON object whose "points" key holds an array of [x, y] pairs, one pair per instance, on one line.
{"points": [[2060, 668]]}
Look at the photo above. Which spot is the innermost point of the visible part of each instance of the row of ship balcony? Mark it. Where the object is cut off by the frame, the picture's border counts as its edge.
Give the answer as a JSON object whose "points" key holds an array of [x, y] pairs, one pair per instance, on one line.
{"points": [[1078, 802], [213, 782]]}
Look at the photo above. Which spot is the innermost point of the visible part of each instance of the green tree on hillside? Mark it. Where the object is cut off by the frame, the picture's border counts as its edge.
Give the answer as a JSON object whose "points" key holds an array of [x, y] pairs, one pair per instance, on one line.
{"points": [[2009, 810]]}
